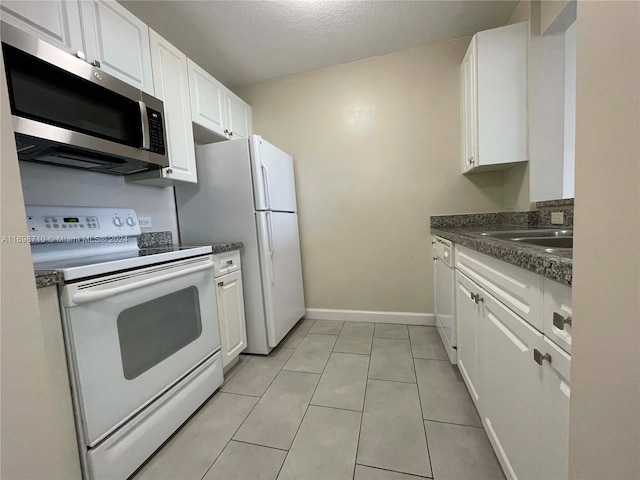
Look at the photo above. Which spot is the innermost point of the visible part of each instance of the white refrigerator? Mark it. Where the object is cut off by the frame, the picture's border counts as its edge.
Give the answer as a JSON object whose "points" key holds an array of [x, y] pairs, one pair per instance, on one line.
{"points": [[246, 192]]}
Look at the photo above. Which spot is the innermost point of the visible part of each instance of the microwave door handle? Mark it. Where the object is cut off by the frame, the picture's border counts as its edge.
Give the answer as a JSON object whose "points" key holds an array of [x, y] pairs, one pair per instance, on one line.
{"points": [[93, 296], [144, 123]]}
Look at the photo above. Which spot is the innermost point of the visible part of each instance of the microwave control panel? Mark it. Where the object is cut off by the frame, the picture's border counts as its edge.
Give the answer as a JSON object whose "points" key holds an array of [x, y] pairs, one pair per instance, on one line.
{"points": [[156, 132], [68, 224]]}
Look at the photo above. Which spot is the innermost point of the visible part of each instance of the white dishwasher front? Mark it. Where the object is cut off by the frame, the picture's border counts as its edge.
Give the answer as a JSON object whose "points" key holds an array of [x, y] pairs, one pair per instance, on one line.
{"points": [[443, 269]]}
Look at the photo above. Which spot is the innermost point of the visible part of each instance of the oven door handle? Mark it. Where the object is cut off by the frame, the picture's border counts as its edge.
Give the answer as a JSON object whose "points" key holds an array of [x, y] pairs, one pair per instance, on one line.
{"points": [[93, 296]]}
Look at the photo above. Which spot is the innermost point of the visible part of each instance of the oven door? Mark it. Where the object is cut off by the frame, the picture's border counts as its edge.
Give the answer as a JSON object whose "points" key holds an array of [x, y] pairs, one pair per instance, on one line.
{"points": [[131, 336]]}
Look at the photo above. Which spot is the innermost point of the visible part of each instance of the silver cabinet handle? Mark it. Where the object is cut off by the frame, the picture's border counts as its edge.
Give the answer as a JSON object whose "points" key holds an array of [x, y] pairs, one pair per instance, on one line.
{"points": [[96, 63], [559, 321], [476, 297], [221, 284], [230, 133], [80, 54], [539, 357], [471, 161], [229, 262]]}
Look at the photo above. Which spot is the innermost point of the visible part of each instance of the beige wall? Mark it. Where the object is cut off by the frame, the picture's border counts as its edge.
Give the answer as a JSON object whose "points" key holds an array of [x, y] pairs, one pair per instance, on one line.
{"points": [[516, 178], [31, 444], [376, 145], [605, 375]]}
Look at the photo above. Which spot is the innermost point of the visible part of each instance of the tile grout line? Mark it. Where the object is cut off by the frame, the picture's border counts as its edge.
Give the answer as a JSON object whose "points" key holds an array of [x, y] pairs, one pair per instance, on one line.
{"points": [[394, 381], [305, 411], [350, 353], [424, 427], [258, 445], [245, 418], [230, 439], [364, 400], [394, 471], [453, 423], [335, 408]]}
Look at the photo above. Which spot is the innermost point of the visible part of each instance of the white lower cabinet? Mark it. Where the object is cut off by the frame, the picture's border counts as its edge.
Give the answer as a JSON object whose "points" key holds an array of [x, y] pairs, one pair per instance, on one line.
{"points": [[468, 311], [511, 391], [554, 423], [518, 378], [233, 329]]}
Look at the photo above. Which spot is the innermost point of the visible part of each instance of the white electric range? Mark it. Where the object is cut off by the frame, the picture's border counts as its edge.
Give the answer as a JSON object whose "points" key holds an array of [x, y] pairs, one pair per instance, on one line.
{"points": [[141, 331]]}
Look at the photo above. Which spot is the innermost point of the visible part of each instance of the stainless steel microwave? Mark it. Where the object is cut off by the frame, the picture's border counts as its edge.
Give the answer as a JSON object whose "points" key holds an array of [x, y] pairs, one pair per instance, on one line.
{"points": [[67, 112]]}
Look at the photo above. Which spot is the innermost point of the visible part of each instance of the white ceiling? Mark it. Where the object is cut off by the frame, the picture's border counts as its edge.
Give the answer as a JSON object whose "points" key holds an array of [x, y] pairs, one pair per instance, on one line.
{"points": [[244, 42]]}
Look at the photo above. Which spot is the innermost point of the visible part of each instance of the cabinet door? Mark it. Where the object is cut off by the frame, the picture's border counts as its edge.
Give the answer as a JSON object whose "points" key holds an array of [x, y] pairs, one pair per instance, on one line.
{"points": [[238, 116], [511, 393], [207, 100], [233, 329], [119, 41], [171, 84], [468, 325], [553, 444], [468, 108], [55, 21]]}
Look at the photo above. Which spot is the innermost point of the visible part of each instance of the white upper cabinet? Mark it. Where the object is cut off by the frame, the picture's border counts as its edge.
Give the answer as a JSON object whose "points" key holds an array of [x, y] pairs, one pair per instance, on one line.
{"points": [[207, 102], [102, 32], [171, 84], [55, 22], [238, 116], [217, 113], [119, 41], [494, 99]]}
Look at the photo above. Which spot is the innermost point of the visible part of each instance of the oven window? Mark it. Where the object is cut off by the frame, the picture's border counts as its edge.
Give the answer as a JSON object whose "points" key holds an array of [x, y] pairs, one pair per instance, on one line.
{"points": [[155, 330]]}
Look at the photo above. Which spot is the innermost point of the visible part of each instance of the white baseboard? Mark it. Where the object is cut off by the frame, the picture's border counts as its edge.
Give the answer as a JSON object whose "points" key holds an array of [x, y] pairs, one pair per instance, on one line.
{"points": [[408, 318]]}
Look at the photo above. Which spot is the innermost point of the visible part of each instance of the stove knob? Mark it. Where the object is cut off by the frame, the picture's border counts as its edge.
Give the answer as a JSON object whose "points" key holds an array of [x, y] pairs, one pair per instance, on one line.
{"points": [[117, 221], [131, 222]]}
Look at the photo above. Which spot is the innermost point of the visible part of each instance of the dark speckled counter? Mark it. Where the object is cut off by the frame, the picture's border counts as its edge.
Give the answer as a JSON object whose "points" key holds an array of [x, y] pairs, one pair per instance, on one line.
{"points": [[148, 242], [47, 278], [226, 247], [465, 230]]}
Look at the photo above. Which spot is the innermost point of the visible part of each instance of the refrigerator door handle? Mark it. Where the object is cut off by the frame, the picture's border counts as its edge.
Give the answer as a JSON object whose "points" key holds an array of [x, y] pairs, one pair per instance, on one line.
{"points": [[265, 182], [271, 247]]}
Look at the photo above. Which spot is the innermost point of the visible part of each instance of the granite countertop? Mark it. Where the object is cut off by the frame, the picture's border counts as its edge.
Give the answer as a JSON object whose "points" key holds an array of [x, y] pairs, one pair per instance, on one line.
{"points": [[148, 242], [465, 230], [226, 247], [47, 278]]}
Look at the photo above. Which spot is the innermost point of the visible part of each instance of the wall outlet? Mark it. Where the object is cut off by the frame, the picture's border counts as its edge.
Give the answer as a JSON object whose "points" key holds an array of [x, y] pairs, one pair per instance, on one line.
{"points": [[145, 222], [557, 218]]}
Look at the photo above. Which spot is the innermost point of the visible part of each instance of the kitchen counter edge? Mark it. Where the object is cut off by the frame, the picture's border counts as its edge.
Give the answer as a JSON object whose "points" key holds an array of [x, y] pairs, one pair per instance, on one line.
{"points": [[52, 278], [551, 266]]}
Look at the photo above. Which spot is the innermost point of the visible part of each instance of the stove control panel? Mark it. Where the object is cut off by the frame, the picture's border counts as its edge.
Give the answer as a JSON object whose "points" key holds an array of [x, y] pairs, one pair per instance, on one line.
{"points": [[67, 224]]}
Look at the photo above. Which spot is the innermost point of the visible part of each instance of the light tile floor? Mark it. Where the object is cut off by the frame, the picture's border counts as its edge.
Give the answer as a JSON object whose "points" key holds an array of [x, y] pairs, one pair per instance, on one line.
{"points": [[335, 401]]}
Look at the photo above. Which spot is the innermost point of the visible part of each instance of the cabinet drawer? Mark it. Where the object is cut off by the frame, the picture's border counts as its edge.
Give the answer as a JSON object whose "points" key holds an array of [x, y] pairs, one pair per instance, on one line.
{"points": [[226, 262], [517, 288], [557, 312]]}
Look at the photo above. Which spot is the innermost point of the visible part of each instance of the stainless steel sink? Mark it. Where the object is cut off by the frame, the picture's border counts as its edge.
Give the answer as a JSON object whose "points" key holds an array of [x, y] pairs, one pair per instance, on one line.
{"points": [[522, 234], [552, 240]]}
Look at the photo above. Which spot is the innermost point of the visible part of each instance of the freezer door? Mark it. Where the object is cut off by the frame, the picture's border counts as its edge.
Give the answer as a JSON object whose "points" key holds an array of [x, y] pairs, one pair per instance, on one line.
{"points": [[281, 272], [273, 181]]}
